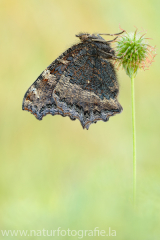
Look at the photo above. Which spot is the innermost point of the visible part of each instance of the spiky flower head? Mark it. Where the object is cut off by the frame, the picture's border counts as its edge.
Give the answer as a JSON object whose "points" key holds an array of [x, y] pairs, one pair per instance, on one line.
{"points": [[133, 52]]}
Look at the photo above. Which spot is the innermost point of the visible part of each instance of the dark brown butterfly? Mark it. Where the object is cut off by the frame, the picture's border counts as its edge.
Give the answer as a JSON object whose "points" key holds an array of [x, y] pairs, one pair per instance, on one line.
{"points": [[81, 83]]}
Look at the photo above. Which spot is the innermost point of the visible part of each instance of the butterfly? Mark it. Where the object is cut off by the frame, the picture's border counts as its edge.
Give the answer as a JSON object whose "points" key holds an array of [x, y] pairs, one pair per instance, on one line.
{"points": [[81, 83]]}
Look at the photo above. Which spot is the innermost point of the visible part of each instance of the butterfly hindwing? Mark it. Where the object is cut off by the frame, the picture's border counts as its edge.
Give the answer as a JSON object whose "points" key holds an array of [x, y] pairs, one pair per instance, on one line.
{"points": [[79, 84]]}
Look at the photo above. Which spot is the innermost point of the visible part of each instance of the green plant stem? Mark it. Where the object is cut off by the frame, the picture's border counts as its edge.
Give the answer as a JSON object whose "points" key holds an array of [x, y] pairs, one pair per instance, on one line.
{"points": [[134, 140]]}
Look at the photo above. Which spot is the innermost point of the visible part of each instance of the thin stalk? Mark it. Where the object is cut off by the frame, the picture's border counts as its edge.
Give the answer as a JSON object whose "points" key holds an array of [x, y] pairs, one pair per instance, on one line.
{"points": [[134, 140]]}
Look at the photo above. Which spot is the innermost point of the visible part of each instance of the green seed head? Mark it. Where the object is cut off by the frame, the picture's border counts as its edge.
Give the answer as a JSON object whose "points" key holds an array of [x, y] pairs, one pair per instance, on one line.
{"points": [[133, 53]]}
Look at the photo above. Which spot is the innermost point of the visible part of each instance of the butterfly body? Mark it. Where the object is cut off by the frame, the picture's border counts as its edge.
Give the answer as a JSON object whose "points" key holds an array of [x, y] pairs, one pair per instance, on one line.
{"points": [[81, 83]]}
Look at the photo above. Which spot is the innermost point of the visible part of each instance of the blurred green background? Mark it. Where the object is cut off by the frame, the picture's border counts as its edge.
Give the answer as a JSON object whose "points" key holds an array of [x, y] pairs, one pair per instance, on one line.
{"points": [[52, 172]]}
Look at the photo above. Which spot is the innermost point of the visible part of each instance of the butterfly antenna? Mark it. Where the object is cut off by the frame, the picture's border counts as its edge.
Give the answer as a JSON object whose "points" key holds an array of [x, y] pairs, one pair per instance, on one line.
{"points": [[112, 40], [115, 34]]}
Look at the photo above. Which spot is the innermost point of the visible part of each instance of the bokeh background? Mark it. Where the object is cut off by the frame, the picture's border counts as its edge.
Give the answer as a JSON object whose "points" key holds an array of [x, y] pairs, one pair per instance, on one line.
{"points": [[52, 172]]}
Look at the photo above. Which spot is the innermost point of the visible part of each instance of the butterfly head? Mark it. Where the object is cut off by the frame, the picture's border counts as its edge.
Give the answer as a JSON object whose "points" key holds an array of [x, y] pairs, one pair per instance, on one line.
{"points": [[86, 37]]}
